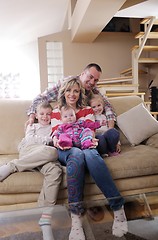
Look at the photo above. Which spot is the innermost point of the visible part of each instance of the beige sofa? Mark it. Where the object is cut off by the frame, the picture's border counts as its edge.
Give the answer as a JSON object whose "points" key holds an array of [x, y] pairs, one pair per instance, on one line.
{"points": [[135, 170]]}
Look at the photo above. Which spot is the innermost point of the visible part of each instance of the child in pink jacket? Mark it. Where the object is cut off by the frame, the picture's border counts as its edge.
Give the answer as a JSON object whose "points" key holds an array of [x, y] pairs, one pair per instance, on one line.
{"points": [[75, 133]]}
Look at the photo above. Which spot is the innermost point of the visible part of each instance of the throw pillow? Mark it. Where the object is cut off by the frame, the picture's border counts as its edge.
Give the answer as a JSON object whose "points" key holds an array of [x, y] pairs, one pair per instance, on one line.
{"points": [[137, 124]]}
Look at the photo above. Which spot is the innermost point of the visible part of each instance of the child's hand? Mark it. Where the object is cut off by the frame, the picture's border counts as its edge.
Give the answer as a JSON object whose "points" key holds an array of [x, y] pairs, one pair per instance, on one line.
{"points": [[94, 142], [118, 148], [103, 122]]}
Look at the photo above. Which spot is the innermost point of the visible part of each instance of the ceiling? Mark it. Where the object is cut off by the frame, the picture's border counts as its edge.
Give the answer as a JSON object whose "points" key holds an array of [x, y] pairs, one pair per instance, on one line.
{"points": [[24, 21]]}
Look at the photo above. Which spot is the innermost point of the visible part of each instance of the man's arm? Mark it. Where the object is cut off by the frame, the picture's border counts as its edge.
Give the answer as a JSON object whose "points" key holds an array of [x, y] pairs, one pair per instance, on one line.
{"points": [[49, 95]]}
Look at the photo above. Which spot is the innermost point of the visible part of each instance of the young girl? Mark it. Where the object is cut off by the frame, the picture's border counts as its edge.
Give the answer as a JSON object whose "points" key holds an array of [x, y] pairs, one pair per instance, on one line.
{"points": [[108, 137]]}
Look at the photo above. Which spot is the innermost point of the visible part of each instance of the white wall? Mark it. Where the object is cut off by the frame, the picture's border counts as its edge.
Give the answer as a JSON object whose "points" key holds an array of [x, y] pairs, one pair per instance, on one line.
{"points": [[112, 51]]}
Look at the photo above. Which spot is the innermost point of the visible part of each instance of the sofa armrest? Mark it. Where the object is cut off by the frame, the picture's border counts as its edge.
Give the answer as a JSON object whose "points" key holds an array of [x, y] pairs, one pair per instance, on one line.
{"points": [[152, 141]]}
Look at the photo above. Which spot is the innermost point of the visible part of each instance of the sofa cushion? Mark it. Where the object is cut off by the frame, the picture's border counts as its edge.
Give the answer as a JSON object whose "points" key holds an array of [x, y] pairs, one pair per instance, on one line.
{"points": [[133, 161], [22, 182], [153, 141], [137, 124], [123, 104], [12, 123]]}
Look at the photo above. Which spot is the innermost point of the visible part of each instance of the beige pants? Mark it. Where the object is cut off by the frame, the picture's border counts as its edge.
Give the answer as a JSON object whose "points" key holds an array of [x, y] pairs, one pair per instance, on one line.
{"points": [[45, 159]]}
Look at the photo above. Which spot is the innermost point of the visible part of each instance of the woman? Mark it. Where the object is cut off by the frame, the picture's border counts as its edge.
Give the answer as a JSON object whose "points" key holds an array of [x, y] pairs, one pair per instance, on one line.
{"points": [[77, 161]]}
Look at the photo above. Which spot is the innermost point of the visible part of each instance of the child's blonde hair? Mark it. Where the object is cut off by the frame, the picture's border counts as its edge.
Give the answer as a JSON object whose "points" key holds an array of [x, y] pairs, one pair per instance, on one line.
{"points": [[43, 105]]}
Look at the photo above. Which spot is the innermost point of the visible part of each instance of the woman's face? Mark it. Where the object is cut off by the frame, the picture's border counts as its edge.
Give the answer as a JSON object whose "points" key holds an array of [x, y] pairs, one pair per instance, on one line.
{"points": [[72, 95]]}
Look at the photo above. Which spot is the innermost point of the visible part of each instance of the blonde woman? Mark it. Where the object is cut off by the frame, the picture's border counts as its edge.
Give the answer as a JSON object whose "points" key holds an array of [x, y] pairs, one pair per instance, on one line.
{"points": [[77, 161]]}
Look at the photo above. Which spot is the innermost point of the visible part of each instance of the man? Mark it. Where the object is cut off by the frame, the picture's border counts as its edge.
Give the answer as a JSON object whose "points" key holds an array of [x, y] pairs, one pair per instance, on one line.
{"points": [[89, 78]]}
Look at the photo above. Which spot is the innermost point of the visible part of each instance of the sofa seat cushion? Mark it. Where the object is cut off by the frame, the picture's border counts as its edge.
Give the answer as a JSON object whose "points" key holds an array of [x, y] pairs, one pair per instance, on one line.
{"points": [[153, 141], [22, 182], [134, 161]]}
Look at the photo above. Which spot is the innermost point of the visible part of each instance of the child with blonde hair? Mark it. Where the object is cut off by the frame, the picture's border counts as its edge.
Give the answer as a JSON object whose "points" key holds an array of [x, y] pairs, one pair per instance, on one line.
{"points": [[108, 137]]}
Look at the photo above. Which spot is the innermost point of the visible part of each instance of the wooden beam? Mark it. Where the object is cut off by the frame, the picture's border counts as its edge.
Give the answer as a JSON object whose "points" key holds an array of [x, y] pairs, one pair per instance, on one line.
{"points": [[90, 17]]}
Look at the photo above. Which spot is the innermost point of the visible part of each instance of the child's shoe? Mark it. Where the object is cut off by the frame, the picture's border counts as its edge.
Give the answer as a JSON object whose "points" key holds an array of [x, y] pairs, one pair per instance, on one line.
{"points": [[113, 154]]}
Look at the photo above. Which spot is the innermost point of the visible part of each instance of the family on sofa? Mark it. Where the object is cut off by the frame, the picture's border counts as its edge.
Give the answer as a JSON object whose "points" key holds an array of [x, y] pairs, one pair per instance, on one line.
{"points": [[71, 92]]}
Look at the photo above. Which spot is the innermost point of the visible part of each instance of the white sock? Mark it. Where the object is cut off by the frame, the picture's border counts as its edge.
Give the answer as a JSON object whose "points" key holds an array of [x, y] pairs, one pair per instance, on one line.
{"points": [[5, 171], [45, 224], [120, 226], [76, 228]]}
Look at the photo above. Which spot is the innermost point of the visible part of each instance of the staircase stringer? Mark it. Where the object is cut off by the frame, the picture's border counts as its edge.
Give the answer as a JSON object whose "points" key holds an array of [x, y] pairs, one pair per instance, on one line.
{"points": [[135, 68], [137, 52], [145, 36]]}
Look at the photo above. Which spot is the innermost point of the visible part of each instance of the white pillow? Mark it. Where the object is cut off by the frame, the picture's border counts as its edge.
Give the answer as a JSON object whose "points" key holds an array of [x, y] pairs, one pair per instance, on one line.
{"points": [[137, 124]]}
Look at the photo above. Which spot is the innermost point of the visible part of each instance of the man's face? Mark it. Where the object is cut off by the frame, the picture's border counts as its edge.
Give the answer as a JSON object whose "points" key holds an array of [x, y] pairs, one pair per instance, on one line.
{"points": [[89, 78]]}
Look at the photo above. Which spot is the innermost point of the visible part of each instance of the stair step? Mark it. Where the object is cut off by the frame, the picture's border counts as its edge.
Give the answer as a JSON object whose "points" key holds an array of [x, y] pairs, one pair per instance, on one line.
{"points": [[148, 60], [126, 71], [118, 94], [118, 88], [147, 48], [152, 35], [147, 20], [114, 80], [129, 71], [119, 85]]}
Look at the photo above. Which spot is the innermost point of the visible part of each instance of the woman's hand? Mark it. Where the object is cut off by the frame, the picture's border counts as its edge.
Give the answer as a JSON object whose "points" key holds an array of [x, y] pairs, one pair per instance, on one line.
{"points": [[55, 142], [64, 148]]}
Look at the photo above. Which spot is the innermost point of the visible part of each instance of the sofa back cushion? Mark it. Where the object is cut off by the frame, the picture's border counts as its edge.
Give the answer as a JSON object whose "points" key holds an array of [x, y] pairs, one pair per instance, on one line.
{"points": [[12, 119], [121, 105]]}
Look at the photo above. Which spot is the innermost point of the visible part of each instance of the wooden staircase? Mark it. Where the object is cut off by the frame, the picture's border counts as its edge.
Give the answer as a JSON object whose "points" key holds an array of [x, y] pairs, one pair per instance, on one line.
{"points": [[117, 85], [143, 47], [128, 82]]}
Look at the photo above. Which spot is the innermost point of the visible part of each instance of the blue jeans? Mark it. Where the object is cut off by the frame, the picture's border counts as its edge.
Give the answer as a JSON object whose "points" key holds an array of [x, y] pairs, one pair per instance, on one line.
{"points": [[108, 141], [76, 162]]}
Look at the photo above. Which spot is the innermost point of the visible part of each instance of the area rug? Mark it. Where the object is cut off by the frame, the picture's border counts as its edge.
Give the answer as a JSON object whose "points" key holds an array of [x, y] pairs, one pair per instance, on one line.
{"points": [[101, 232]]}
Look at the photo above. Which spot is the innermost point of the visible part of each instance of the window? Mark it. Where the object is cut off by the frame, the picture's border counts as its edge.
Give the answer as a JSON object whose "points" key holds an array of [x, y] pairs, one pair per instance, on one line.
{"points": [[9, 85], [54, 62]]}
